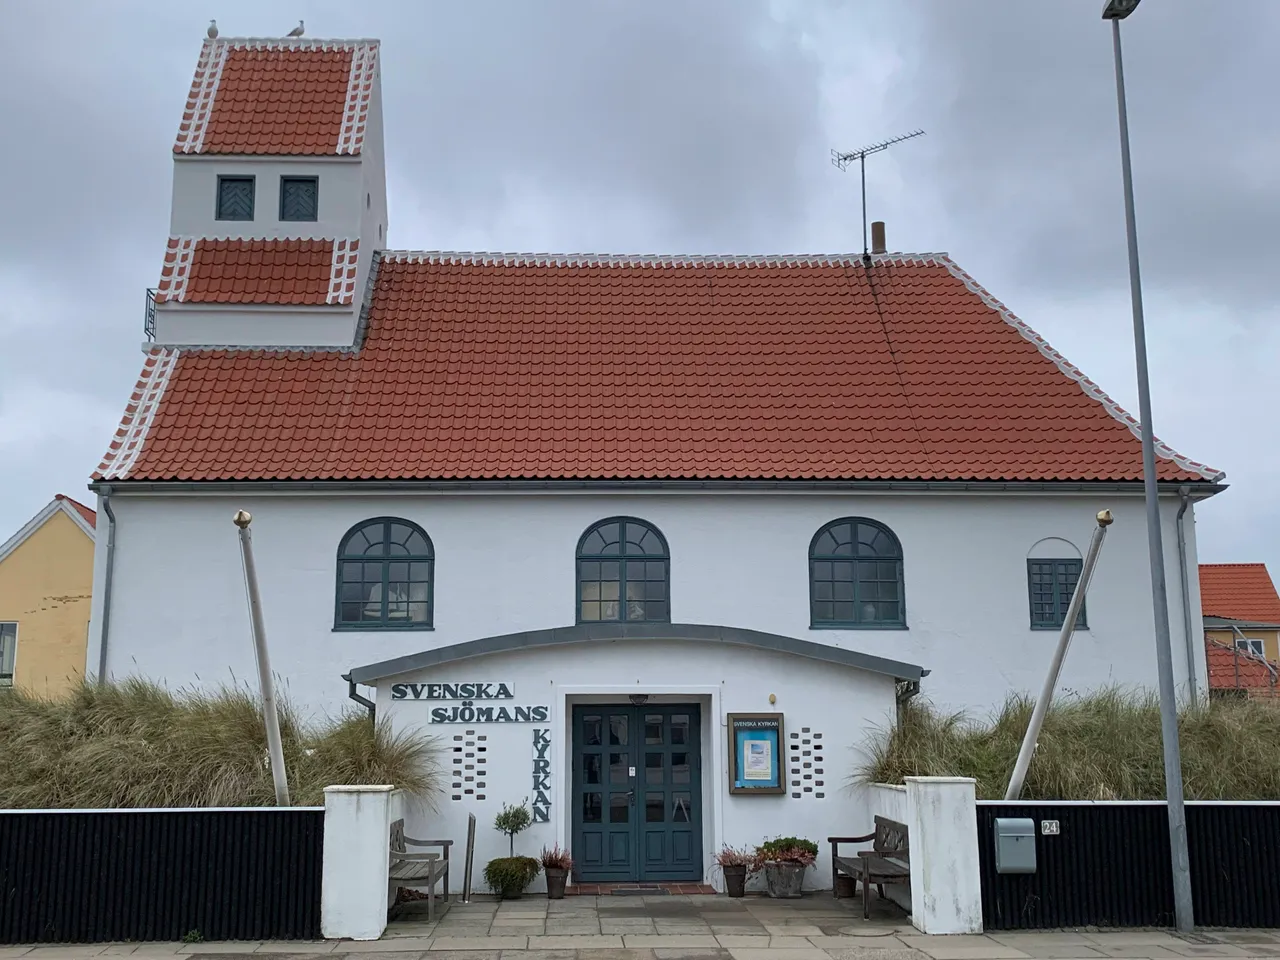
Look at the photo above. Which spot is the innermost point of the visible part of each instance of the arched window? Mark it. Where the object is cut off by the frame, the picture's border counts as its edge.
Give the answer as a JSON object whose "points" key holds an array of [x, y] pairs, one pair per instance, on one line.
{"points": [[623, 570], [855, 576], [385, 572], [1053, 570]]}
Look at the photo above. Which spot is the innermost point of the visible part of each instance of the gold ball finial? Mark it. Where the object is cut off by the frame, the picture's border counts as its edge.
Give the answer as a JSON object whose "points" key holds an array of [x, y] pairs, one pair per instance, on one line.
{"points": [[242, 518], [1105, 518]]}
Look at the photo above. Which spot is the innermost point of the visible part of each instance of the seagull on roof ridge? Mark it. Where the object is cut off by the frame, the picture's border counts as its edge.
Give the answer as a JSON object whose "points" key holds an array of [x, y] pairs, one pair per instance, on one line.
{"points": [[296, 31], [212, 32]]}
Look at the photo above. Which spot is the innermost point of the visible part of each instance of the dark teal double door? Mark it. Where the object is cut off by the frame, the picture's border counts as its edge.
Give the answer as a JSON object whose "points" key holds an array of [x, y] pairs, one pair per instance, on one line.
{"points": [[637, 797]]}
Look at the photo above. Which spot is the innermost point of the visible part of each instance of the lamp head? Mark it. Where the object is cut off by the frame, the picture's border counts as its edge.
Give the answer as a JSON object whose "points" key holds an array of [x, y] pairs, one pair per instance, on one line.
{"points": [[1119, 9]]}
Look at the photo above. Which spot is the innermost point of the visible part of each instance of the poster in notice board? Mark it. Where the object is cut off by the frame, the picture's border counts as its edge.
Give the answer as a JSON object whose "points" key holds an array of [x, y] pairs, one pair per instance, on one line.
{"points": [[755, 753]]}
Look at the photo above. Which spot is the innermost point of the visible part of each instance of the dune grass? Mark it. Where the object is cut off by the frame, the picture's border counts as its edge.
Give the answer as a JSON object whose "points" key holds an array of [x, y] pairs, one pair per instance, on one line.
{"points": [[1104, 746], [136, 744]]}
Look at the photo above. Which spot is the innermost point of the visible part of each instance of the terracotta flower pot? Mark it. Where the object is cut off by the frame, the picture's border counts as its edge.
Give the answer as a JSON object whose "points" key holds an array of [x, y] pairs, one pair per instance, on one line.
{"points": [[735, 880]]}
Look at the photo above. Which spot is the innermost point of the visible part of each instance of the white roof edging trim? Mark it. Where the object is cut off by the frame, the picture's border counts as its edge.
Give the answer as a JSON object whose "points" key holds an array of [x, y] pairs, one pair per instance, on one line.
{"points": [[132, 435]]}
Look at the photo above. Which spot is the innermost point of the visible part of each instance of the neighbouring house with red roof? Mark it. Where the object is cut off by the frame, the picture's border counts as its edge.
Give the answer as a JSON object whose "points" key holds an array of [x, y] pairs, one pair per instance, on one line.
{"points": [[630, 533], [1241, 612]]}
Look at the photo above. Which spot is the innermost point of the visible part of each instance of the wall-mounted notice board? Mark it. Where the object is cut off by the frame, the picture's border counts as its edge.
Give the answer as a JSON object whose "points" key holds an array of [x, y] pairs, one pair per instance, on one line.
{"points": [[755, 753]]}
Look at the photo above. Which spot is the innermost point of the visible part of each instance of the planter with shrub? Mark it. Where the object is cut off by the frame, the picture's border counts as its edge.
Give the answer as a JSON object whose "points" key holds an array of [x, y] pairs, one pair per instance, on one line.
{"points": [[556, 863], [510, 876], [735, 864], [785, 860]]}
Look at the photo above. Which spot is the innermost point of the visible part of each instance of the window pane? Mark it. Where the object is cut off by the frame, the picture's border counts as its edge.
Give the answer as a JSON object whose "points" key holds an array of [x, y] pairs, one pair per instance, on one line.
{"points": [[591, 768], [839, 591], [617, 731], [635, 590], [352, 592], [635, 610], [656, 590], [610, 570], [590, 610], [398, 571], [822, 589], [679, 729], [591, 727], [822, 570], [618, 763], [350, 571], [823, 611], [588, 570], [842, 570], [680, 768], [593, 545], [609, 610], [235, 198], [657, 610], [590, 590], [651, 544], [603, 541], [655, 570], [653, 807], [680, 807], [843, 612], [417, 545], [619, 808], [418, 612], [653, 729], [350, 612], [591, 808], [653, 769]]}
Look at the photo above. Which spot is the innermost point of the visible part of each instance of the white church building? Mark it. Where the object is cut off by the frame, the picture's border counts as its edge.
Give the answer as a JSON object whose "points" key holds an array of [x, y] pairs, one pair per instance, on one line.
{"points": [[655, 541]]}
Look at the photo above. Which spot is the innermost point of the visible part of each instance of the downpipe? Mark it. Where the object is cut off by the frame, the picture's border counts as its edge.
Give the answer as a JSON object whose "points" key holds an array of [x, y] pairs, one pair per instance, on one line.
{"points": [[1188, 633], [364, 701], [108, 576]]}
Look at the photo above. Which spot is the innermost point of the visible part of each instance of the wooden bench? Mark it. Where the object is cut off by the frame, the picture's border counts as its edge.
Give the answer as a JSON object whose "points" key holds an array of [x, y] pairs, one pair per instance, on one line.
{"points": [[887, 862], [419, 869]]}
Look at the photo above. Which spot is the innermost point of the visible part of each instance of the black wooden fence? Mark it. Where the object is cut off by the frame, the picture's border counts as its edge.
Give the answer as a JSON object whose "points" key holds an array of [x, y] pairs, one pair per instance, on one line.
{"points": [[98, 875], [1109, 866]]}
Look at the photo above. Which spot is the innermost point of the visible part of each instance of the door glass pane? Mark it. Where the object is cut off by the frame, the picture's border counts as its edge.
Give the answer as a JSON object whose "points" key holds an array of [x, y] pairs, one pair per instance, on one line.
{"points": [[653, 805], [618, 730], [680, 768], [591, 730], [653, 768], [591, 808], [653, 729], [618, 764], [679, 729], [591, 768], [619, 807], [681, 811]]}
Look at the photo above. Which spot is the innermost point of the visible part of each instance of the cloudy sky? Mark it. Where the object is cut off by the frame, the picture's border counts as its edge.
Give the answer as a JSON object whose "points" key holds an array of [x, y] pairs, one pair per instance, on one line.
{"points": [[700, 126]]}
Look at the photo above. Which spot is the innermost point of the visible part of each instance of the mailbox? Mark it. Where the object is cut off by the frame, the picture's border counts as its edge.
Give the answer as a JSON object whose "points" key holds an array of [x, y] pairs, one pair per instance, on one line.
{"points": [[1015, 845]]}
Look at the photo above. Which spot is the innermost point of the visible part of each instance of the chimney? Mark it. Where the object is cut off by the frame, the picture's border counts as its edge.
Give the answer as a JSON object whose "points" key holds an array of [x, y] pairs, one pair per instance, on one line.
{"points": [[877, 236]]}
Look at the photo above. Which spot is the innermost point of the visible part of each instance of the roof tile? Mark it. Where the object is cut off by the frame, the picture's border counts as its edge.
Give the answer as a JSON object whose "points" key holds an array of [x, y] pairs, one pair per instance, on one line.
{"points": [[259, 271], [497, 366], [1231, 668], [1238, 591], [293, 97]]}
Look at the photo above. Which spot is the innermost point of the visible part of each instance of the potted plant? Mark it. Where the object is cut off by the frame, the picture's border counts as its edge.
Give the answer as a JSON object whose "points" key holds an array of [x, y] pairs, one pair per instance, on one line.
{"points": [[509, 876], [785, 860], [735, 864], [556, 864]]}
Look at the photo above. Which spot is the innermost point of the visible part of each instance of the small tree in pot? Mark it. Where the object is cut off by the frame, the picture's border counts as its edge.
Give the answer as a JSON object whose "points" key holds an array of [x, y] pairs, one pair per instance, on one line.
{"points": [[556, 863], [509, 876], [785, 860], [735, 864]]}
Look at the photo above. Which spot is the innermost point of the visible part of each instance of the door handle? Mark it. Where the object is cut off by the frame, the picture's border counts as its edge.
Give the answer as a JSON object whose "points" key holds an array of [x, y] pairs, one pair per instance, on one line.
{"points": [[631, 798]]}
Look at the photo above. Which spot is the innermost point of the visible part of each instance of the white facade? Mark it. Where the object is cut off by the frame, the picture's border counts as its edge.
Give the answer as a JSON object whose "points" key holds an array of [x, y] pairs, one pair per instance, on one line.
{"points": [[504, 563]]}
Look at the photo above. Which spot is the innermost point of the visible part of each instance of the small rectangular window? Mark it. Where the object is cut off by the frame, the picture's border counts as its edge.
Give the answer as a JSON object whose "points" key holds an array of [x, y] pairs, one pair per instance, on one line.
{"points": [[299, 198], [1050, 584], [1251, 646], [8, 652], [235, 198]]}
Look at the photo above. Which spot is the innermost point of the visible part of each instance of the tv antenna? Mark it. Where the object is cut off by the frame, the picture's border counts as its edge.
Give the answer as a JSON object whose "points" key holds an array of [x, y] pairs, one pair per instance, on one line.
{"points": [[842, 160]]}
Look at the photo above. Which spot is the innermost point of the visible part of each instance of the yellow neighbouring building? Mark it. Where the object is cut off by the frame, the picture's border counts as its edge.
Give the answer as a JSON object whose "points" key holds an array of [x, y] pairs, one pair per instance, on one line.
{"points": [[46, 583]]}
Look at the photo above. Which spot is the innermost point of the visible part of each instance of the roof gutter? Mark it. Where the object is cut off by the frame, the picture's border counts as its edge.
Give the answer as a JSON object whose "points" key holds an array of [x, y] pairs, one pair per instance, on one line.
{"points": [[1184, 494], [105, 492], [1199, 490]]}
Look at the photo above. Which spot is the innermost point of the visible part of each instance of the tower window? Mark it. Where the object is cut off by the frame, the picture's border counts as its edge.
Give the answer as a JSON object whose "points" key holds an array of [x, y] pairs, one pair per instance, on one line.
{"points": [[235, 198], [299, 198]]}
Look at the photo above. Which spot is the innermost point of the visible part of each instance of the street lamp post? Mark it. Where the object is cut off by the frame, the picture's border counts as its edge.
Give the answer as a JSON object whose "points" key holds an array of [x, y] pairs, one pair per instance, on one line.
{"points": [[1115, 11]]}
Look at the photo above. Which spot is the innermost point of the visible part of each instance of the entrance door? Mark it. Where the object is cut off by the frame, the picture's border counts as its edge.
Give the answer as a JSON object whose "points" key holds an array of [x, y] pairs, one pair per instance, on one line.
{"points": [[637, 793]]}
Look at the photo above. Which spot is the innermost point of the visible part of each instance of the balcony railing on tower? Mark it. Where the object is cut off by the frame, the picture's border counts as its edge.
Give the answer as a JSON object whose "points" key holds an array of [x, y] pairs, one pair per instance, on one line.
{"points": [[149, 317]]}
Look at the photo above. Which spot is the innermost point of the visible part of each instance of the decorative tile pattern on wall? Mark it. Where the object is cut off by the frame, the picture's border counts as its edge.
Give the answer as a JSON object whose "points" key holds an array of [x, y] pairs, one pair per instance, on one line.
{"points": [[808, 777], [470, 765]]}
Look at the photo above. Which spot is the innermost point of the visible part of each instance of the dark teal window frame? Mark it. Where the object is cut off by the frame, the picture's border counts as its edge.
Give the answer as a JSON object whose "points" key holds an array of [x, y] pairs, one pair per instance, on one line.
{"points": [[1061, 599], [218, 212], [385, 559], [626, 565], [315, 184], [857, 622]]}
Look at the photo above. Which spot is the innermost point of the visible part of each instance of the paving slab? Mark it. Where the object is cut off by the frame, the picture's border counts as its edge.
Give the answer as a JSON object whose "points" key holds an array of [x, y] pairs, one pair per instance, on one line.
{"points": [[539, 955], [1129, 938], [690, 953], [622, 953], [219, 947], [1136, 951], [705, 941], [577, 941], [479, 943], [1186, 949], [962, 948], [875, 953], [768, 953]]}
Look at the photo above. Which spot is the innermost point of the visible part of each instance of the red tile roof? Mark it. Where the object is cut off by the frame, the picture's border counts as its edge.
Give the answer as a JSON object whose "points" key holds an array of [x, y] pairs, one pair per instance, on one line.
{"points": [[297, 272], [501, 366], [90, 516], [1233, 669], [1238, 591], [282, 97]]}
